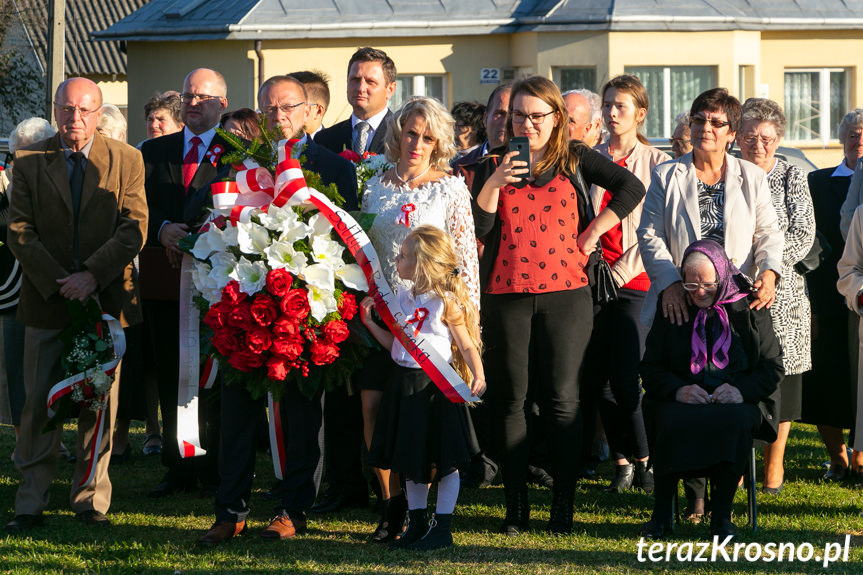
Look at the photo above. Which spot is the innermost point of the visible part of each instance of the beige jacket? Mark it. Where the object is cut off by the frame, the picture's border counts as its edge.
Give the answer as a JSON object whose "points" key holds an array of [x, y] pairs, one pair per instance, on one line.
{"points": [[641, 162], [850, 285], [671, 220]]}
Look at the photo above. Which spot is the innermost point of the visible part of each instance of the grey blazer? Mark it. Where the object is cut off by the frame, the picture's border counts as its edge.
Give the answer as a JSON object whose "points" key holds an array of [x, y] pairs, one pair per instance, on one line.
{"points": [[671, 220]]}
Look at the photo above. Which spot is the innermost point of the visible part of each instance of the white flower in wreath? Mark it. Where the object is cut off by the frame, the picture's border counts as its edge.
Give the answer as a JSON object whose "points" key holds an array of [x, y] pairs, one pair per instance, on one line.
{"points": [[222, 265], [253, 238], [252, 276], [353, 277], [320, 225], [322, 302], [328, 252], [293, 228], [209, 242], [320, 276], [229, 236], [274, 218], [283, 255]]}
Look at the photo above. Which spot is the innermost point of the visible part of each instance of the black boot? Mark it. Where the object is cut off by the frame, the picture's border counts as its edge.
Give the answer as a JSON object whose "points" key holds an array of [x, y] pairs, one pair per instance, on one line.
{"points": [[393, 515], [417, 527], [657, 528], [560, 522], [438, 536], [624, 475], [517, 517], [644, 476]]}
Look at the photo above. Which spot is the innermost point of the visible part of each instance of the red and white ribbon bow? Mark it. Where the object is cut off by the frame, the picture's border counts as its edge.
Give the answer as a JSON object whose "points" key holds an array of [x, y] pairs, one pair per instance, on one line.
{"points": [[405, 217], [65, 387], [214, 153], [419, 318]]}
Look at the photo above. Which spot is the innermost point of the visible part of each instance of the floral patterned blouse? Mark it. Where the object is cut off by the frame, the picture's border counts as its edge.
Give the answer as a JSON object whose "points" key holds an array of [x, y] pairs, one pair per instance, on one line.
{"points": [[444, 204]]}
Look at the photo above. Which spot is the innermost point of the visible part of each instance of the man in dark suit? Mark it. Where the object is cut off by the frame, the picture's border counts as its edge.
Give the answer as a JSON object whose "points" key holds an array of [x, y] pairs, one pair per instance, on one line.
{"points": [[283, 102], [371, 84], [78, 218], [177, 166]]}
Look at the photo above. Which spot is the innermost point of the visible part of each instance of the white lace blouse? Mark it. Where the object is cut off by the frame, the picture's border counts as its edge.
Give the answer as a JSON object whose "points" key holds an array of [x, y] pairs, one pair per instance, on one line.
{"points": [[444, 204]]}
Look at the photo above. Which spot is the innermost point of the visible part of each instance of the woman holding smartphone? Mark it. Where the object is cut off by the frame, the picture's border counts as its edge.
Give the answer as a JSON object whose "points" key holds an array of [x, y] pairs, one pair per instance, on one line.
{"points": [[537, 307], [618, 336]]}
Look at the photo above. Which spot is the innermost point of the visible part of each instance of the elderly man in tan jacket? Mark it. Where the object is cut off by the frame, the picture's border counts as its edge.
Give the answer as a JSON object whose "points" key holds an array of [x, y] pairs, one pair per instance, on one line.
{"points": [[78, 218]]}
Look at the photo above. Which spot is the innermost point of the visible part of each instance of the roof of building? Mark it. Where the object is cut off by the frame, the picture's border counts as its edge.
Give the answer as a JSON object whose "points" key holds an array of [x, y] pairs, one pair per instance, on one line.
{"points": [[299, 19], [84, 56]]}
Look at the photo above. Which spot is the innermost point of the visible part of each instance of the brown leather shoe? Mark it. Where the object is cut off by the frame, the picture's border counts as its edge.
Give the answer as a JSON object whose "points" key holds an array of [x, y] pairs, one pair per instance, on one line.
{"points": [[222, 531], [283, 527]]}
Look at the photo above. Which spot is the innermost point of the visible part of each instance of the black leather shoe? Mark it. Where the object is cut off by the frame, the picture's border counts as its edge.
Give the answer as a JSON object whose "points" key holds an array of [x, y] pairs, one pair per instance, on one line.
{"points": [[166, 488], [773, 490], [23, 522], [656, 529], [644, 476], [331, 502], [836, 472], [122, 457], [624, 475], [93, 517], [539, 476], [723, 528]]}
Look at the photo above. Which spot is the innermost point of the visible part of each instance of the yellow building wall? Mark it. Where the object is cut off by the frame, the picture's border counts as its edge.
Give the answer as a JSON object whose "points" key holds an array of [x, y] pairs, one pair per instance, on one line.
{"points": [[573, 49], [459, 58], [114, 91], [159, 66], [827, 49]]}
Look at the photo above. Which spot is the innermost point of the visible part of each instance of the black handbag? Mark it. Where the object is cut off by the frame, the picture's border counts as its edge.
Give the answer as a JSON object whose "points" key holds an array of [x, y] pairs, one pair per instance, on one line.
{"points": [[819, 252], [599, 274]]}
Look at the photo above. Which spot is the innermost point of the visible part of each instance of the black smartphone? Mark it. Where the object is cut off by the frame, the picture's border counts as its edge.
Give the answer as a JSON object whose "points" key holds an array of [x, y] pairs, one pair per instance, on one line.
{"points": [[522, 149]]}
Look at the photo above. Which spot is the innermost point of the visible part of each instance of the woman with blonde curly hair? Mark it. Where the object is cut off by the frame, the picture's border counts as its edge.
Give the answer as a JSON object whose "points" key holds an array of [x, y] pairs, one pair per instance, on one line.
{"points": [[418, 190]]}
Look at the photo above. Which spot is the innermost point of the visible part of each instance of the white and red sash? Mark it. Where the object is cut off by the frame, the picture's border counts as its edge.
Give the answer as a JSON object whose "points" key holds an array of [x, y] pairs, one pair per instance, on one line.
{"points": [[255, 188], [64, 388]]}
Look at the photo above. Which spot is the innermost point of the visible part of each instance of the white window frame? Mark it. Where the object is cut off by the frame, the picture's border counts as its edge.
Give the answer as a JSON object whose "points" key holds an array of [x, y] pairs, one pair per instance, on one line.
{"points": [[825, 122], [419, 85]]}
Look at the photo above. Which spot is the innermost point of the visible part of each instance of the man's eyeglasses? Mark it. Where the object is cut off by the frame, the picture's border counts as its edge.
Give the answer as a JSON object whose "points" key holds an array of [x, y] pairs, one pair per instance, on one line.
{"points": [[188, 97], [286, 108], [72, 109], [535, 119], [699, 121], [706, 286], [753, 140]]}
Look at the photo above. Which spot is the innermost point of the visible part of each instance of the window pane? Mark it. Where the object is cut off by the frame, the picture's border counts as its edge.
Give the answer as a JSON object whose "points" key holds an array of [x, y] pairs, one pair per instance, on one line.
{"points": [[802, 105], [576, 78], [404, 90], [838, 102], [651, 77], [686, 84], [434, 88]]}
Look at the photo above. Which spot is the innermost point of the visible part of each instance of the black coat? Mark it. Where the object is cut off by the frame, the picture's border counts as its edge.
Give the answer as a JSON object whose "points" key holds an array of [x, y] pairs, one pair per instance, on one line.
{"points": [[828, 195], [627, 191], [665, 366], [339, 137], [163, 179], [333, 169]]}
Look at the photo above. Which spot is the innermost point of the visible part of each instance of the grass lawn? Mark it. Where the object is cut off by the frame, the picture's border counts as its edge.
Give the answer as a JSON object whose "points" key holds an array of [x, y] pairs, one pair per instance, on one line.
{"points": [[158, 536]]}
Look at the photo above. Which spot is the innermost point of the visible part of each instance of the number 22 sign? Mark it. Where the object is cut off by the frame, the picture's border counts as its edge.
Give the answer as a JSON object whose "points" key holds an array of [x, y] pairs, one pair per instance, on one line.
{"points": [[489, 76]]}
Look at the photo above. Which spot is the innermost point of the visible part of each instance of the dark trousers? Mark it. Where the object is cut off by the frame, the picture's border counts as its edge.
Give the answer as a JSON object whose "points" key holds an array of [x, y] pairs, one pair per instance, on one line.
{"points": [[343, 443], [723, 486], [557, 325], [301, 423], [615, 351], [164, 321]]}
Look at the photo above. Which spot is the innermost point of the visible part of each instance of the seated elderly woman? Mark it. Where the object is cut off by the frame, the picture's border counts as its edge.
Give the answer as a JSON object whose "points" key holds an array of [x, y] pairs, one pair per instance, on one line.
{"points": [[708, 386]]}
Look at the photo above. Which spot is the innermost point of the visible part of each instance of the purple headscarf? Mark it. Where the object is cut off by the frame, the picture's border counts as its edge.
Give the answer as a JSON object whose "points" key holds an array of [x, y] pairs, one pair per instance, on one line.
{"points": [[726, 292]]}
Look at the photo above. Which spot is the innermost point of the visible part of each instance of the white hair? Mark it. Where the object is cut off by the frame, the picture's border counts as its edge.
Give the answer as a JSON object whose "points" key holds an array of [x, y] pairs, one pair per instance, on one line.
{"points": [[851, 120], [593, 99], [696, 259], [112, 122], [30, 131]]}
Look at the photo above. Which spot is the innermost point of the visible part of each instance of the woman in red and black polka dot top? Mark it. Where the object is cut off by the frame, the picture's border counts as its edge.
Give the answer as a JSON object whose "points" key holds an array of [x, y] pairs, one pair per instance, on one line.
{"points": [[537, 306]]}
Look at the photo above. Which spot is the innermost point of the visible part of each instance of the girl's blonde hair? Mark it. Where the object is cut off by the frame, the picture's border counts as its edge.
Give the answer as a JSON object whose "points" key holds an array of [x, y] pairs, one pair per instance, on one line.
{"points": [[437, 271]]}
